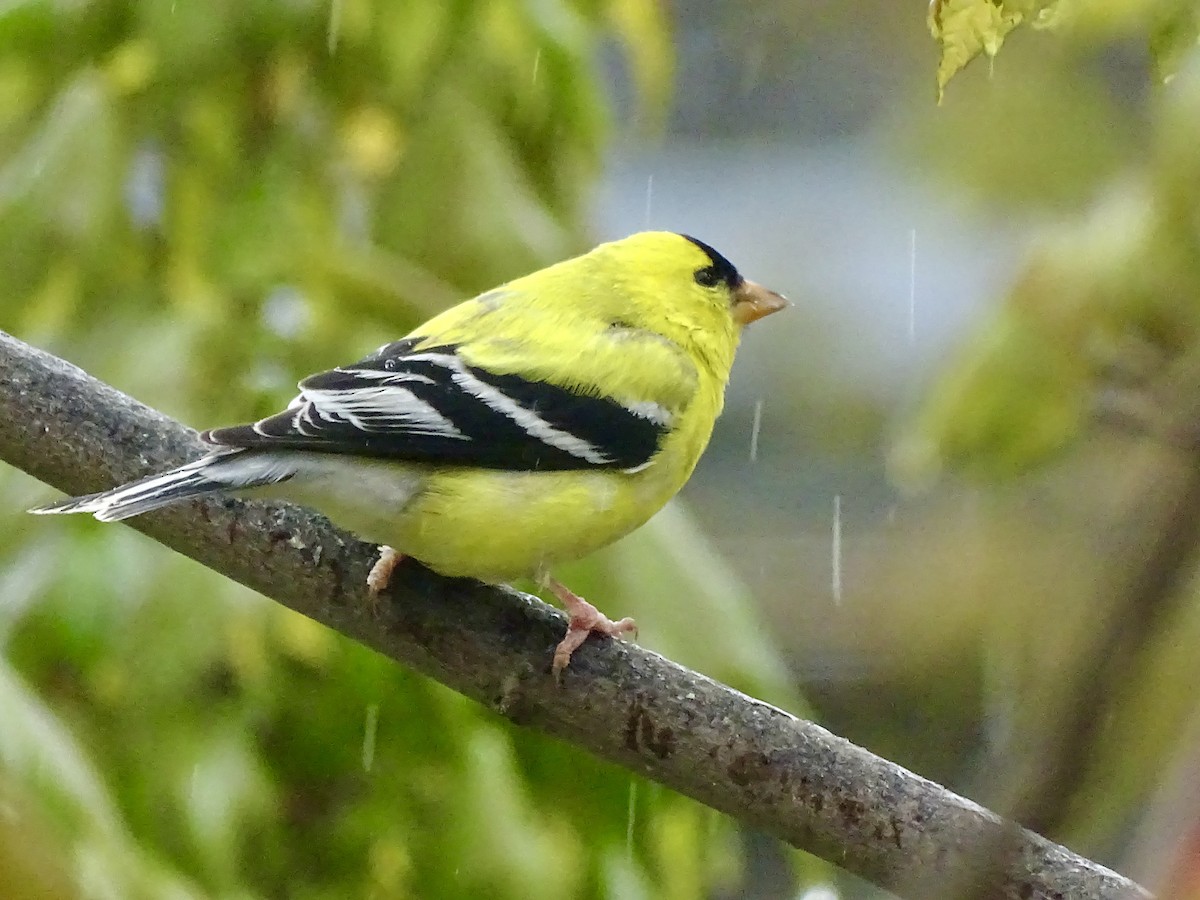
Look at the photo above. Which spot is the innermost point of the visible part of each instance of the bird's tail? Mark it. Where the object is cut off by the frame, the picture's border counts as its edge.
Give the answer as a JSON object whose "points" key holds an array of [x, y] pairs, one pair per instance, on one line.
{"points": [[225, 470]]}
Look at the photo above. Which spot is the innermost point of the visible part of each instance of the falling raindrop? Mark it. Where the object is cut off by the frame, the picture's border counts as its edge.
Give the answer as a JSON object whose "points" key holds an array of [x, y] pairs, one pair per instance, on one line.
{"points": [[368, 747], [537, 59], [144, 187], [649, 197], [755, 428], [835, 582]]}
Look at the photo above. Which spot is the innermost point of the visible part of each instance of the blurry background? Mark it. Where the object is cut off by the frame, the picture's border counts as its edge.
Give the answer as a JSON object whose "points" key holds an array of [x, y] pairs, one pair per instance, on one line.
{"points": [[933, 515]]}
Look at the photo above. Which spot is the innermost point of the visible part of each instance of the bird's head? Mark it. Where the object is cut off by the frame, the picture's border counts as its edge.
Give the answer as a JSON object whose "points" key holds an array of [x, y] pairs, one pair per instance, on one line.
{"points": [[682, 288]]}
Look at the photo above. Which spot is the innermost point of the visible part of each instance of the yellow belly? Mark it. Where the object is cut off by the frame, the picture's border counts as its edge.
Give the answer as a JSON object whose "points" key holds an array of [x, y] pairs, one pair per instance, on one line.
{"points": [[499, 526], [491, 525]]}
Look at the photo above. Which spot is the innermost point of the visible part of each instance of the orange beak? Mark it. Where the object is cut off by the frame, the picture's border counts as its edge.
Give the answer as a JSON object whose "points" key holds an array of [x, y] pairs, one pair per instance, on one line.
{"points": [[753, 301]]}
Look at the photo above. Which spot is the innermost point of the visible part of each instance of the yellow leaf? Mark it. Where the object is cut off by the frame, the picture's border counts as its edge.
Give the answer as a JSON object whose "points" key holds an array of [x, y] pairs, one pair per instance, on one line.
{"points": [[966, 28]]}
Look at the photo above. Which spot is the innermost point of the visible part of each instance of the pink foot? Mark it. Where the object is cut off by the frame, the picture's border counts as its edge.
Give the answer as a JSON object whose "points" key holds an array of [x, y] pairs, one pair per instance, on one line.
{"points": [[380, 575], [585, 619]]}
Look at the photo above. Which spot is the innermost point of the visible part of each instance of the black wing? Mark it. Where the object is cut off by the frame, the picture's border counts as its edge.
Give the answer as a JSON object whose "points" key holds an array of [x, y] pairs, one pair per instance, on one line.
{"points": [[429, 406]]}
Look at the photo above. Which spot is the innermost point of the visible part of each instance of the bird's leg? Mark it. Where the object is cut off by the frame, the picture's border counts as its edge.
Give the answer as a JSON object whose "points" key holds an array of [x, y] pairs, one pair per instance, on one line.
{"points": [[381, 573], [584, 619]]}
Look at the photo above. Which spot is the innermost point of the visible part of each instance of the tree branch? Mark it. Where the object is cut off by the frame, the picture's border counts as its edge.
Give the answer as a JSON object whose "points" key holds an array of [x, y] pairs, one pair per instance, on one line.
{"points": [[622, 703]]}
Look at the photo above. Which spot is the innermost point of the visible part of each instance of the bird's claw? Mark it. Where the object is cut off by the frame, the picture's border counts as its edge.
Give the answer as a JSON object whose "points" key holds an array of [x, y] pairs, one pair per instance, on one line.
{"points": [[585, 619], [380, 575]]}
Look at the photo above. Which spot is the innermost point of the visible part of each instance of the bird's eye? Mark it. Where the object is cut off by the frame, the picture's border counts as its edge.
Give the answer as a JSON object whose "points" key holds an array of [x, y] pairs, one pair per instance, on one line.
{"points": [[708, 277]]}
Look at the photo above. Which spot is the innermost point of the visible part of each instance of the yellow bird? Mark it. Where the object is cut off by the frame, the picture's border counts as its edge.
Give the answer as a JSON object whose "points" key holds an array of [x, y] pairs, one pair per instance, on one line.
{"points": [[534, 424]]}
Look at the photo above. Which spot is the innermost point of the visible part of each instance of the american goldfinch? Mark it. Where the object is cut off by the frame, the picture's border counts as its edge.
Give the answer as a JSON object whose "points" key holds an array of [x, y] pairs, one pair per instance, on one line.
{"points": [[533, 424]]}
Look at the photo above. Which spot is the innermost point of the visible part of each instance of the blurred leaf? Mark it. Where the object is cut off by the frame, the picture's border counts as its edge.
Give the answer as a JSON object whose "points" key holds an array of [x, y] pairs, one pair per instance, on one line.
{"points": [[1014, 397], [533, 855], [1143, 738], [1175, 40], [964, 29], [33, 865], [1015, 148], [1124, 277], [38, 752], [643, 26], [35, 747]]}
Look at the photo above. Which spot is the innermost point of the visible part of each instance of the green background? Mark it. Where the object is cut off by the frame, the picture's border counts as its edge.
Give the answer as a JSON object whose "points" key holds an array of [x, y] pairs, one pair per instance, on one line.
{"points": [[200, 203]]}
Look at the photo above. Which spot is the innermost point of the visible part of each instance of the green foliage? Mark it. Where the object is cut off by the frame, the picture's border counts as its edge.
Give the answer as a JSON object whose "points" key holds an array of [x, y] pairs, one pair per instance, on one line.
{"points": [[1106, 306], [966, 28], [1116, 288], [200, 203]]}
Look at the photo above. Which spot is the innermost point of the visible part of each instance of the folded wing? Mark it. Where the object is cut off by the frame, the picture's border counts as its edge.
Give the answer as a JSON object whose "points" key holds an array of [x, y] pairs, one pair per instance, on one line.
{"points": [[429, 405]]}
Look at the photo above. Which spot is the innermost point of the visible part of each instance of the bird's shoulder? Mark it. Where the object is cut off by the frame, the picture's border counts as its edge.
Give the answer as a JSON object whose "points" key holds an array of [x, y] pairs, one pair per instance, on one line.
{"points": [[570, 342]]}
